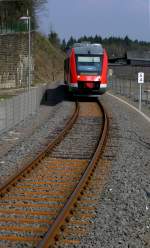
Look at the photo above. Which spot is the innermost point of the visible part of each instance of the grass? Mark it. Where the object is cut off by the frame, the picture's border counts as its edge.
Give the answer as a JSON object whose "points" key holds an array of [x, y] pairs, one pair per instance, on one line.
{"points": [[48, 61]]}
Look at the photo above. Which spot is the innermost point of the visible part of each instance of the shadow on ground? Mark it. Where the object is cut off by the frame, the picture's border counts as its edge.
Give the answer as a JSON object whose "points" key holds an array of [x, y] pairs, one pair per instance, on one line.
{"points": [[54, 96], [59, 94]]}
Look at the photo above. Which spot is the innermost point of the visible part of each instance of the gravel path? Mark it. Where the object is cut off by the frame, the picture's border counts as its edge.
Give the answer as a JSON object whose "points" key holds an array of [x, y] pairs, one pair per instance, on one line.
{"points": [[23, 142], [123, 211]]}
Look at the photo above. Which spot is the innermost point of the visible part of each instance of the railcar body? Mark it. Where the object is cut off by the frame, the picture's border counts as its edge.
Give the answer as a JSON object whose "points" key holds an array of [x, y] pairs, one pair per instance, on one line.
{"points": [[85, 69]]}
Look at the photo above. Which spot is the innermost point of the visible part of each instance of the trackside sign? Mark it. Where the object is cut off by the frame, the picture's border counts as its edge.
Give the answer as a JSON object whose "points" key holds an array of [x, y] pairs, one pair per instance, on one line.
{"points": [[141, 77]]}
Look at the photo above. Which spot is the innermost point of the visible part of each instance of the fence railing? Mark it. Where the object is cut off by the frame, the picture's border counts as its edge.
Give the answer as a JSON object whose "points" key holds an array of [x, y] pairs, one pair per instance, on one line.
{"points": [[130, 89], [18, 108], [13, 27]]}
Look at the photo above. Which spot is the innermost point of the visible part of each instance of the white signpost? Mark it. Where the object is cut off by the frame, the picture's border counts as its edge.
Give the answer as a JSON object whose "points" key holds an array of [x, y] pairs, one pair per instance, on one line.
{"points": [[140, 81]]}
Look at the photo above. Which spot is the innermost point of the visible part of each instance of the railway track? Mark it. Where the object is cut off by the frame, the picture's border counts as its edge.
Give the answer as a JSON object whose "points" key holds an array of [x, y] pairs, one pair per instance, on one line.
{"points": [[39, 202]]}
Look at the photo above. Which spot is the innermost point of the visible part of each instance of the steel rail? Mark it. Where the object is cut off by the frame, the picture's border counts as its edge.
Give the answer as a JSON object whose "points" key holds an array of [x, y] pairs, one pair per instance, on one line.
{"points": [[58, 226], [29, 167]]}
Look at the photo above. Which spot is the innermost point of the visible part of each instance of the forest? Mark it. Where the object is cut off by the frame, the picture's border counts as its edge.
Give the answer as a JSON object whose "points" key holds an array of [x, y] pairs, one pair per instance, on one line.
{"points": [[116, 46]]}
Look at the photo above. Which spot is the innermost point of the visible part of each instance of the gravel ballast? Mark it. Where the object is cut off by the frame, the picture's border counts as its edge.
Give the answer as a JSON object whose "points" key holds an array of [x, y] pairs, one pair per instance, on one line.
{"points": [[26, 140], [123, 211]]}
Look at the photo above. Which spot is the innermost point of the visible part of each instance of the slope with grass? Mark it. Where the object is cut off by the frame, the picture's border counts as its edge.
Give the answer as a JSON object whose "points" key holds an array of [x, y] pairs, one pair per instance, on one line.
{"points": [[48, 61]]}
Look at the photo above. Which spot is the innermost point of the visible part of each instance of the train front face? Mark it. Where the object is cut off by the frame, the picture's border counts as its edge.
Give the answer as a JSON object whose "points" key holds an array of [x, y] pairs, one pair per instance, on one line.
{"points": [[88, 71]]}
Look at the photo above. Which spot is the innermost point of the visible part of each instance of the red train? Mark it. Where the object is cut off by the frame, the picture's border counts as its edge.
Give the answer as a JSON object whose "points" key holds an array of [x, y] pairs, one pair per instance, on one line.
{"points": [[85, 69]]}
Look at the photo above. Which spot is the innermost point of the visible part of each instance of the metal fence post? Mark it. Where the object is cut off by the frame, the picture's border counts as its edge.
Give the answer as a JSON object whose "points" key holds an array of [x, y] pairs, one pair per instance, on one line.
{"points": [[5, 114]]}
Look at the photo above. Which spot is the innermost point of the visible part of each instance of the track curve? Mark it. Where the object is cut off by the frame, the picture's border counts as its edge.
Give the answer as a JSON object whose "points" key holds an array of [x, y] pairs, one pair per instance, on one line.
{"points": [[41, 200]]}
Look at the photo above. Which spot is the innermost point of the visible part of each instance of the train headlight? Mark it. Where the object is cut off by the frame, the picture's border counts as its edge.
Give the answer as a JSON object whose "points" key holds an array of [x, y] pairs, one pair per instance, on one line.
{"points": [[78, 77]]}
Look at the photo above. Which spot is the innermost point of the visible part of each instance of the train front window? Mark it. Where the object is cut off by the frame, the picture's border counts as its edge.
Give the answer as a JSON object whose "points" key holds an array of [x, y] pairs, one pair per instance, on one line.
{"points": [[90, 65]]}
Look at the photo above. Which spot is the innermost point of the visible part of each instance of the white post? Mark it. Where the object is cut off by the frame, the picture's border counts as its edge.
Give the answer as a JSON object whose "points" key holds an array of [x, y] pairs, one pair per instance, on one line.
{"points": [[28, 19], [140, 97], [29, 29], [140, 81]]}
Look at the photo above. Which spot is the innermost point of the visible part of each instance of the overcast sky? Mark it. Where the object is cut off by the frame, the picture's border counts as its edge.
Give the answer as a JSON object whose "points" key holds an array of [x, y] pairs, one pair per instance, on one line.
{"points": [[102, 17]]}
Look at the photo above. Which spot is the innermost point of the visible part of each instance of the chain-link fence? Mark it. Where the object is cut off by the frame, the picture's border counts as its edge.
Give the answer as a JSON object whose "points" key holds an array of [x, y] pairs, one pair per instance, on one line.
{"points": [[130, 88], [17, 108], [13, 27], [124, 81]]}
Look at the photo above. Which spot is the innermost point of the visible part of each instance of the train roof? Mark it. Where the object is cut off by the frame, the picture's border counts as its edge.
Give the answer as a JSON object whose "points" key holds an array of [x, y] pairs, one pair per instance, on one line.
{"points": [[88, 48]]}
